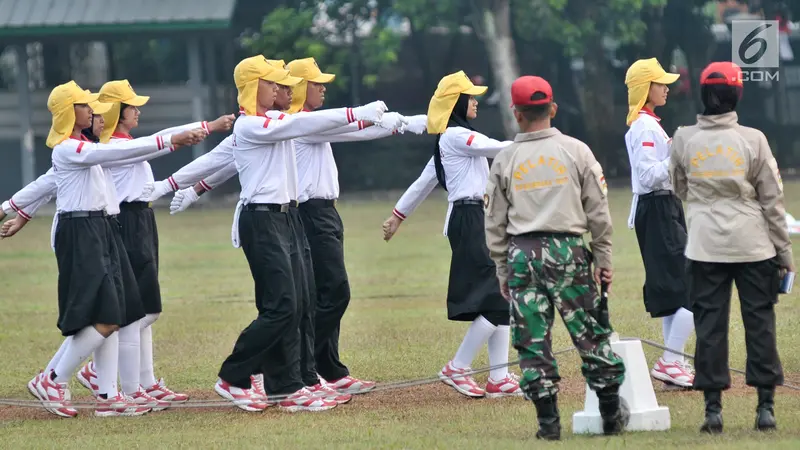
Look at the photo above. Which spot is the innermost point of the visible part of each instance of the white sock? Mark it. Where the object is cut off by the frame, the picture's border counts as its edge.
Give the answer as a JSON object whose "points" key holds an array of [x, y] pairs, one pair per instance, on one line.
{"points": [[80, 347], [666, 326], [147, 376], [477, 335], [682, 327], [498, 352], [149, 319], [57, 357], [129, 355], [106, 364]]}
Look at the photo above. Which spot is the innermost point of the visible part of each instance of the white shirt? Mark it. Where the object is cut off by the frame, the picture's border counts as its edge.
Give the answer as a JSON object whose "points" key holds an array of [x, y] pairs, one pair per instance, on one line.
{"points": [[220, 158], [30, 198], [417, 192], [81, 184], [131, 178], [648, 153]]}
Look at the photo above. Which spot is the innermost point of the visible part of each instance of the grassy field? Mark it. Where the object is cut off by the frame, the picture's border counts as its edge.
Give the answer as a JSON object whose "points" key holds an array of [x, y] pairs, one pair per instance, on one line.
{"points": [[395, 329]]}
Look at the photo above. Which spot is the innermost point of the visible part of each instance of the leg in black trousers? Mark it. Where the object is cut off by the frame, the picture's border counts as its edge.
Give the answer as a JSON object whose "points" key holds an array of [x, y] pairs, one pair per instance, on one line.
{"points": [[325, 233], [266, 241], [710, 293]]}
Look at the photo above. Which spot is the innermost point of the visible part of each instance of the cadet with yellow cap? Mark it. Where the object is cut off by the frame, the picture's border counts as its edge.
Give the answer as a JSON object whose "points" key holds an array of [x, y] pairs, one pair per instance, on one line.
{"points": [[658, 218], [264, 156], [90, 310], [460, 165], [727, 174]]}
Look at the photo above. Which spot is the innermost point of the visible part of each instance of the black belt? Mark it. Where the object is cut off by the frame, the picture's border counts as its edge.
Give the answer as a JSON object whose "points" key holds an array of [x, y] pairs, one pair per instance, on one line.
{"points": [[468, 201], [272, 207], [80, 214], [656, 193], [134, 205], [320, 202], [547, 234]]}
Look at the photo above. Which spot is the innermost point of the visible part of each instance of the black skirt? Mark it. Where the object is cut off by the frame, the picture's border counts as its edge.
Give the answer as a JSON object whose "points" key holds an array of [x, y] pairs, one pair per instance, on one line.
{"points": [[90, 287], [473, 288], [134, 309], [140, 236], [661, 231]]}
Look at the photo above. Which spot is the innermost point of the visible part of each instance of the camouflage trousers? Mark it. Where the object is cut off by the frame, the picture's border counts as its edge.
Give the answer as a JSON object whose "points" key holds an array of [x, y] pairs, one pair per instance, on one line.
{"points": [[551, 272]]}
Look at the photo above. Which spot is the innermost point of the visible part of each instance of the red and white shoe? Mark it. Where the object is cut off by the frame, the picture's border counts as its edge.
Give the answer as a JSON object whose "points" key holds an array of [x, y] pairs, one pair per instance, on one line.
{"points": [[140, 397], [87, 377], [160, 391], [675, 373], [119, 405], [507, 387], [350, 385], [304, 400], [464, 384], [55, 396], [257, 382], [35, 382], [243, 398], [322, 390]]}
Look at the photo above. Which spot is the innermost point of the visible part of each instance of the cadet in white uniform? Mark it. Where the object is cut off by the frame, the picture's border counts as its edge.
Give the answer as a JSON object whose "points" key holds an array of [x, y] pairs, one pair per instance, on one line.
{"points": [[730, 181], [261, 148], [460, 165], [657, 216]]}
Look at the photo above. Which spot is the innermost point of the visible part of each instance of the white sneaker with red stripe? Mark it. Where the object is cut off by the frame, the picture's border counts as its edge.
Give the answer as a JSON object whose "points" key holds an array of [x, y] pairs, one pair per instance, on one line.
{"points": [[322, 390], [87, 377], [243, 398], [35, 382], [464, 384], [257, 382], [304, 400], [140, 397], [507, 387], [160, 391], [350, 385], [676, 373], [55, 396], [119, 405]]}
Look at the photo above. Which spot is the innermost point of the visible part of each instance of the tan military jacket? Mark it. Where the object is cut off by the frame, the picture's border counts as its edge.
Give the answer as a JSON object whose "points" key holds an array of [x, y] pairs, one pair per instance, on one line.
{"points": [[547, 182], [726, 174]]}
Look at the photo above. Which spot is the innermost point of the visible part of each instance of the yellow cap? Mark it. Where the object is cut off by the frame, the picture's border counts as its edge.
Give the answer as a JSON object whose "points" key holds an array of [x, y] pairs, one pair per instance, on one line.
{"points": [[60, 103], [115, 93], [638, 78], [246, 75], [445, 98], [280, 64], [308, 70]]}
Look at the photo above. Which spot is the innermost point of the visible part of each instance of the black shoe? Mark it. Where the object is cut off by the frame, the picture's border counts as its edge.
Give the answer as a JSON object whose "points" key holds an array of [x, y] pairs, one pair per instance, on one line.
{"points": [[614, 411], [765, 412], [713, 421], [549, 419]]}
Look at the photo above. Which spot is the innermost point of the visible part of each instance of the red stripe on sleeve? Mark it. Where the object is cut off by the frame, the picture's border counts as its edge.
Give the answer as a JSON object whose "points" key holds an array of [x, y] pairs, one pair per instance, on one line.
{"points": [[173, 183], [648, 144], [470, 139], [351, 117], [204, 124], [281, 116], [205, 185], [399, 215], [18, 210], [266, 122], [80, 147]]}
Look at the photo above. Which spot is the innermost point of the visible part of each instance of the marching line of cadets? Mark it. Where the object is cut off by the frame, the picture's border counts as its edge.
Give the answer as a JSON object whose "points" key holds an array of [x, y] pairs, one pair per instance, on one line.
{"points": [[515, 232]]}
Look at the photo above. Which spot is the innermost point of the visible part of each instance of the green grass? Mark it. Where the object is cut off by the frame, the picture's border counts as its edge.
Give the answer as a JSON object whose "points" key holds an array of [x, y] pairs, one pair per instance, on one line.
{"points": [[396, 329]]}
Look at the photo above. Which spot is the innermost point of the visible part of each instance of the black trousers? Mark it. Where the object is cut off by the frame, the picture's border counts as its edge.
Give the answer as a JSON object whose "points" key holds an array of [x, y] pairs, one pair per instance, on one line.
{"points": [[325, 233], [710, 292], [140, 236], [270, 340]]}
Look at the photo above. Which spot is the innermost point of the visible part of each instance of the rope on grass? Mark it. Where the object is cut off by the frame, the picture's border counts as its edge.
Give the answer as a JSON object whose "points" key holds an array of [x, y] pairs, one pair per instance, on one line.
{"points": [[381, 387]]}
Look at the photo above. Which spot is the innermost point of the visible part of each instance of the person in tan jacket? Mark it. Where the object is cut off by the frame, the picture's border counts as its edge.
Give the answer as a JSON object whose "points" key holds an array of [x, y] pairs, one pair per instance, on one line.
{"points": [[544, 192], [729, 179]]}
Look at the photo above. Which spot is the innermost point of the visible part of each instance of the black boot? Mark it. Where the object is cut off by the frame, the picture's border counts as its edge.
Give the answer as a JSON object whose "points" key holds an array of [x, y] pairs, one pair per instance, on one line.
{"points": [[713, 421], [765, 412], [549, 420], [614, 411]]}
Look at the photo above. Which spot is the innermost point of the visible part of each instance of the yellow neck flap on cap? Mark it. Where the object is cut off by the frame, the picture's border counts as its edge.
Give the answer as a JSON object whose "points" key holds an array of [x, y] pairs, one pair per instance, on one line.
{"points": [[445, 98], [116, 93], [308, 70], [61, 104], [246, 75], [638, 79]]}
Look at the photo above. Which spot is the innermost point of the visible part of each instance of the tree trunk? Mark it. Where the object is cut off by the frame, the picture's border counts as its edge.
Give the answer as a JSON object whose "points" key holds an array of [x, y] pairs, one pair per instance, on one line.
{"points": [[496, 24], [597, 102]]}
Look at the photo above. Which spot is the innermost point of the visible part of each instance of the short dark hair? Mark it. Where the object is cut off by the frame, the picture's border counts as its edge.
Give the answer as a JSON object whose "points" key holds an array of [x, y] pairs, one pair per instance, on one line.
{"points": [[122, 108], [533, 113]]}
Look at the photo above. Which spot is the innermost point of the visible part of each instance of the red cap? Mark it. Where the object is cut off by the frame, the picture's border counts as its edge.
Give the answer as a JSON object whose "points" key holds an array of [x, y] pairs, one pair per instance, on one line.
{"points": [[523, 88], [731, 72]]}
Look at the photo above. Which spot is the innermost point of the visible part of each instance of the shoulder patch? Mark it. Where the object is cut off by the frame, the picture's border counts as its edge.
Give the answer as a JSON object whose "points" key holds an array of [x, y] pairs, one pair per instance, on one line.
{"points": [[485, 201], [470, 139]]}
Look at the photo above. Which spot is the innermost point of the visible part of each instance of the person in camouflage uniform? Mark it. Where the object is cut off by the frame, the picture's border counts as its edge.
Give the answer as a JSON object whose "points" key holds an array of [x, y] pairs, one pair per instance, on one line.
{"points": [[544, 192]]}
